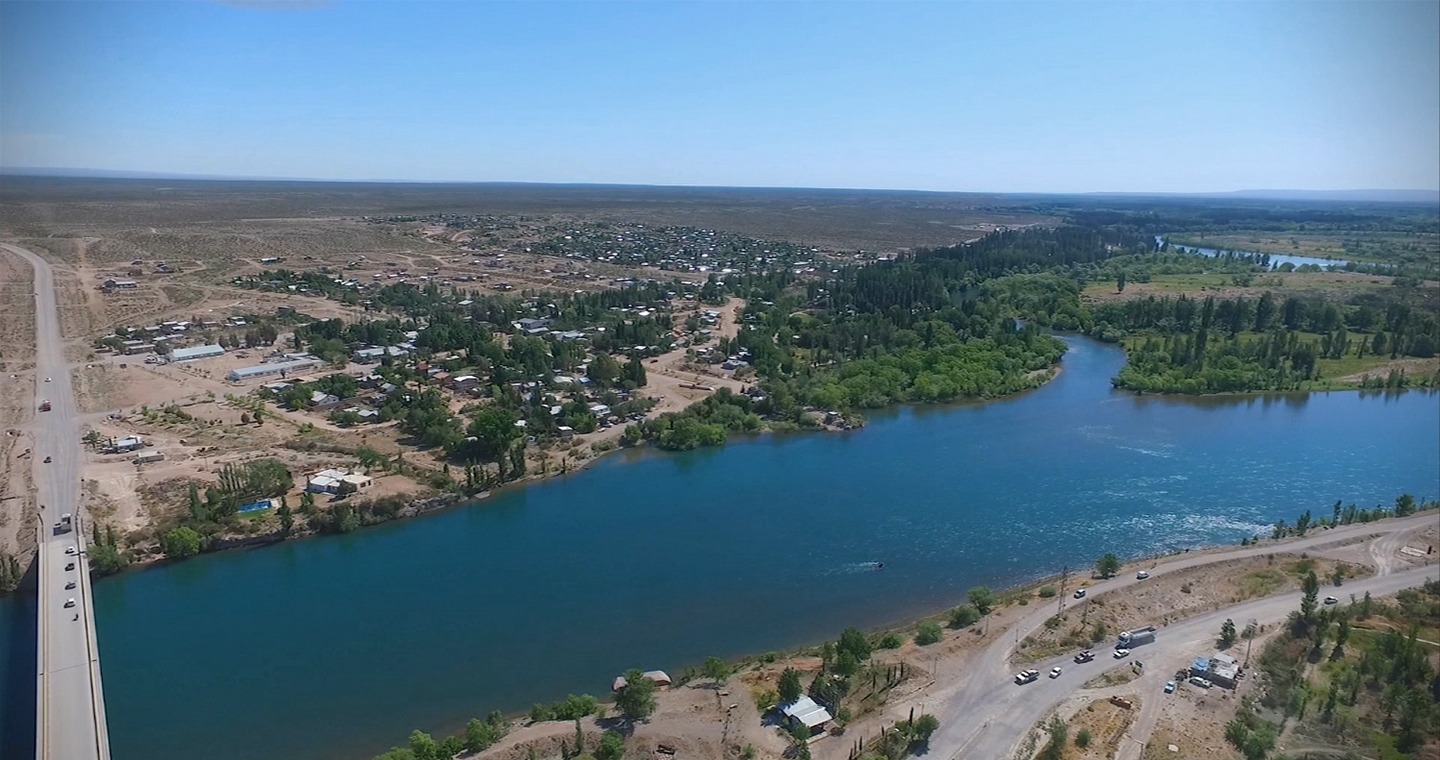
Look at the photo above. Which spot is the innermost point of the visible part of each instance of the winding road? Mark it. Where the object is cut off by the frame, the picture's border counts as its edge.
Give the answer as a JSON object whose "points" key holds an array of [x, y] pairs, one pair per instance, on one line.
{"points": [[986, 715]]}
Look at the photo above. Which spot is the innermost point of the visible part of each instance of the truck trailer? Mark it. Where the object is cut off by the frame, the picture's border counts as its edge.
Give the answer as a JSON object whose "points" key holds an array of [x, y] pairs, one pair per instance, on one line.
{"points": [[1135, 637]]}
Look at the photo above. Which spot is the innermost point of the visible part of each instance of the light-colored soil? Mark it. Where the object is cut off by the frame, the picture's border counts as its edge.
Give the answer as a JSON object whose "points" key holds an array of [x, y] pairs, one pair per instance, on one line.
{"points": [[1176, 596]]}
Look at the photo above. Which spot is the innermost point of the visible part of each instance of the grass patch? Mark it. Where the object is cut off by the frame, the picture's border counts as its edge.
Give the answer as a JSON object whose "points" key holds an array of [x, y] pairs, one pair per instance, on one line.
{"points": [[1261, 583]]}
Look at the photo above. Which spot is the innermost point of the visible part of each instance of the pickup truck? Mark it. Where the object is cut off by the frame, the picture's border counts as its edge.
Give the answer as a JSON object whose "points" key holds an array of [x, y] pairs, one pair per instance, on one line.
{"points": [[1085, 656], [1026, 676]]}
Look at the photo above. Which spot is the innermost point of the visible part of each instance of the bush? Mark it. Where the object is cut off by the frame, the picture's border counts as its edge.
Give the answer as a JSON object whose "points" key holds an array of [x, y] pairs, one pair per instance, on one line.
{"points": [[1082, 738], [964, 615], [1047, 592], [929, 633], [889, 641]]}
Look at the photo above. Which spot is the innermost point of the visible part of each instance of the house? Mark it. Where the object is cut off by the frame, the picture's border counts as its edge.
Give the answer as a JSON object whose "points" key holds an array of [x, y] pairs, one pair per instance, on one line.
{"points": [[805, 711], [566, 432], [241, 374], [1224, 670], [530, 324], [133, 347], [113, 284], [195, 352], [367, 415], [146, 457], [357, 481], [368, 355], [464, 382], [321, 400], [326, 481]]}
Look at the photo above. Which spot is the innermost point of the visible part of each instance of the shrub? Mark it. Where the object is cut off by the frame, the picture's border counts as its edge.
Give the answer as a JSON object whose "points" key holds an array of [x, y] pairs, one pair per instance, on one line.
{"points": [[929, 633], [1047, 592], [963, 616]]}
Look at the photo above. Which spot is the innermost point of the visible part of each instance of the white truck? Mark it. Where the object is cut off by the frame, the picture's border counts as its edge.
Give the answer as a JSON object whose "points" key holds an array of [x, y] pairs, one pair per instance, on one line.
{"points": [[1135, 637], [1026, 676]]}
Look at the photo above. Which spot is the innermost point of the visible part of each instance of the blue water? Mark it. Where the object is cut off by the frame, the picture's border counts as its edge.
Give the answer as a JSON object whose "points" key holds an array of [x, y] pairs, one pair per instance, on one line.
{"points": [[1276, 259], [338, 647]]}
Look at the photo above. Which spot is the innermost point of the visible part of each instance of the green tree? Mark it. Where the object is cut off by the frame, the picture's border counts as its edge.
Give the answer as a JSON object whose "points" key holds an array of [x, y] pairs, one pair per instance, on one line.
{"points": [[181, 542], [1082, 738], [637, 700], [964, 615], [923, 727], [612, 746], [1404, 505], [424, 747], [928, 633], [789, 687], [1308, 603], [715, 669], [1107, 566], [983, 599], [287, 519], [854, 642], [1227, 634]]}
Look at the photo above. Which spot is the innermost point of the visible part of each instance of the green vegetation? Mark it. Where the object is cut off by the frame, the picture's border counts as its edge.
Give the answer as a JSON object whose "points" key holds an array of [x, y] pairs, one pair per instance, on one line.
{"points": [[637, 700], [928, 633], [964, 616], [1228, 345], [10, 573], [1356, 678], [982, 599], [478, 735], [569, 708], [1107, 566]]}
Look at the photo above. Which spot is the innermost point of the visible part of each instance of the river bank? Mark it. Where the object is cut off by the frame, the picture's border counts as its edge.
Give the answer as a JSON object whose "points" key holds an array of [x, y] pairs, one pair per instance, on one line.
{"points": [[659, 561], [710, 722]]}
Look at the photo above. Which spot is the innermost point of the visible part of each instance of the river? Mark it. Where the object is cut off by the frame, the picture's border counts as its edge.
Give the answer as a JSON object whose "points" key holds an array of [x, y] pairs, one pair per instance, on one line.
{"points": [[337, 647], [1276, 259]]}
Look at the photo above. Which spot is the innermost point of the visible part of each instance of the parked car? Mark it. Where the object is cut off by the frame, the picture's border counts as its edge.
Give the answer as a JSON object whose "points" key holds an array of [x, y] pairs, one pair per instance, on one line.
{"points": [[70, 550], [70, 566], [1142, 575], [1121, 654], [1328, 599], [69, 585], [1055, 672], [1169, 687], [47, 460], [1201, 682], [70, 602], [1079, 593]]}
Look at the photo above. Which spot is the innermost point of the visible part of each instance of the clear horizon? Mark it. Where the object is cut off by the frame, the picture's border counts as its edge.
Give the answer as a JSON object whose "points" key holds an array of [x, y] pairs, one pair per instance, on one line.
{"points": [[961, 97]]}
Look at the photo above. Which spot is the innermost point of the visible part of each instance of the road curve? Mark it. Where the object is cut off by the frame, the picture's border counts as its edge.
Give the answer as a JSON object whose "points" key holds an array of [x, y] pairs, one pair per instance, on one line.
{"points": [[987, 715], [70, 709]]}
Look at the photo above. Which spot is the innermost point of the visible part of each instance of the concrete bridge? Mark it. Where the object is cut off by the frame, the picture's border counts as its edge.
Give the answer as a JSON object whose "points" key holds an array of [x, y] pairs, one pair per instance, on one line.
{"points": [[70, 706]]}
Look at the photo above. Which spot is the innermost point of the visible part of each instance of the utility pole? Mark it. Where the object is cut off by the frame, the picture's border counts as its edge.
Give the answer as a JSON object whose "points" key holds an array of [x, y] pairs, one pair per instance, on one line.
{"points": [[1250, 629], [1064, 575]]}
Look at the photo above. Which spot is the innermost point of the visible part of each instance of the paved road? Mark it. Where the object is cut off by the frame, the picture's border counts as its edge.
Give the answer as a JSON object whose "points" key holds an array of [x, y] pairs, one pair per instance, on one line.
{"points": [[70, 717], [987, 715]]}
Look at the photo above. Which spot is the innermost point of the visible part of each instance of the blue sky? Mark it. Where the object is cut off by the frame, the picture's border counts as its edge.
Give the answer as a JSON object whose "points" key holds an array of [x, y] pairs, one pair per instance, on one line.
{"points": [[1002, 97]]}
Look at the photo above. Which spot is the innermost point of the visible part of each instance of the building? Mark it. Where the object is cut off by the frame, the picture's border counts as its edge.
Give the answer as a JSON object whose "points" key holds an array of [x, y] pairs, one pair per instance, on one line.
{"points": [[147, 457], [113, 284], [196, 352], [133, 347], [241, 374], [805, 711], [1224, 670], [368, 355], [358, 481], [126, 444]]}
